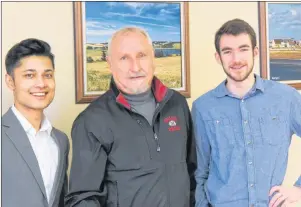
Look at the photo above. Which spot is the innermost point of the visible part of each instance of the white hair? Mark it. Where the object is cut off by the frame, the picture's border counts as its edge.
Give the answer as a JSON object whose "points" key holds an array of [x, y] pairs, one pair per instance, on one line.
{"points": [[128, 30]]}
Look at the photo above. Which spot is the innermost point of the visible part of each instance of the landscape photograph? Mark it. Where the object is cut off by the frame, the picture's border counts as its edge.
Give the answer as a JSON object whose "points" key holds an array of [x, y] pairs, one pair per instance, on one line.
{"points": [[161, 20], [284, 46]]}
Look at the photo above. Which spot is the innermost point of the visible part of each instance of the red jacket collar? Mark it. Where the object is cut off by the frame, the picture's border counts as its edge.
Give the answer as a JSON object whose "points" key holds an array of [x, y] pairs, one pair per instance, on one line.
{"points": [[158, 88]]}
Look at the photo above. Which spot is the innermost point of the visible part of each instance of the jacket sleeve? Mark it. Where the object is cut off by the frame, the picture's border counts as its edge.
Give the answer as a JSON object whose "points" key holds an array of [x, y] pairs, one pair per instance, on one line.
{"points": [[191, 154], [86, 187], [296, 120], [203, 151]]}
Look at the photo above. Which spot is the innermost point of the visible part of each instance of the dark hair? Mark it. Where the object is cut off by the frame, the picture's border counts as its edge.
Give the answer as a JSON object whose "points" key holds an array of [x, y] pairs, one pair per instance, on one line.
{"points": [[26, 48], [235, 27]]}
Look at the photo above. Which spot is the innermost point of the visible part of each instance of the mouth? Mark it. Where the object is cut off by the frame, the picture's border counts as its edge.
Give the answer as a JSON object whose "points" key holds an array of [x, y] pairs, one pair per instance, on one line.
{"points": [[39, 94], [237, 67], [137, 78]]}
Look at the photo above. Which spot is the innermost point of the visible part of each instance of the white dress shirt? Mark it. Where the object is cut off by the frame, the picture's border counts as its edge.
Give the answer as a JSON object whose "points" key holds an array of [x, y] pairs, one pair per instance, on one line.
{"points": [[44, 147]]}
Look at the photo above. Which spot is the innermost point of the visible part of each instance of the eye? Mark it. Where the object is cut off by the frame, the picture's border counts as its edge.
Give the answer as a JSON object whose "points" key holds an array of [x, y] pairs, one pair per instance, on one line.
{"points": [[141, 54], [244, 49], [28, 75], [227, 52], [123, 57], [49, 75]]}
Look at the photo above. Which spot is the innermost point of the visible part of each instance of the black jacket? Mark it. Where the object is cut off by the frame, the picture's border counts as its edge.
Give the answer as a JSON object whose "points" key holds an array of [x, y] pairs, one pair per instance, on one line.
{"points": [[119, 160]]}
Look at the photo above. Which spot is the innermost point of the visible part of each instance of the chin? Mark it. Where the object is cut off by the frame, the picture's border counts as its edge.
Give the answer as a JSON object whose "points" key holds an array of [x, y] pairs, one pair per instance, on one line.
{"points": [[138, 90], [239, 78], [40, 106]]}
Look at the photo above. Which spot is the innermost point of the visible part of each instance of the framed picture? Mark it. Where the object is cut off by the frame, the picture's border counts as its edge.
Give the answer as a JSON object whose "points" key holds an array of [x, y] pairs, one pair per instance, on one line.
{"points": [[95, 22], [280, 42]]}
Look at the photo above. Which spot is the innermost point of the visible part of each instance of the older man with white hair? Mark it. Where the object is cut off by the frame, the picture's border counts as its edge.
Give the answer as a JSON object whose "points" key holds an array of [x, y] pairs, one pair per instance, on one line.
{"points": [[134, 145]]}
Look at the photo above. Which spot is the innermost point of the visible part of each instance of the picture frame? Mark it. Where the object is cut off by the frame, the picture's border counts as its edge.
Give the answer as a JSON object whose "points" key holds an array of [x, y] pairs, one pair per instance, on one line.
{"points": [[171, 51], [280, 45]]}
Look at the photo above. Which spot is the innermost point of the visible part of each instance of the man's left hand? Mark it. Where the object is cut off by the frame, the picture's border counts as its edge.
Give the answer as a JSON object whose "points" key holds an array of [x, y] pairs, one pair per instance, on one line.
{"points": [[286, 196]]}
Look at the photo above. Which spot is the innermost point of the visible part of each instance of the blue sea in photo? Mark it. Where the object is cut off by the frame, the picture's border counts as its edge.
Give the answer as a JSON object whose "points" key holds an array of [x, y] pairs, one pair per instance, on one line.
{"points": [[285, 70]]}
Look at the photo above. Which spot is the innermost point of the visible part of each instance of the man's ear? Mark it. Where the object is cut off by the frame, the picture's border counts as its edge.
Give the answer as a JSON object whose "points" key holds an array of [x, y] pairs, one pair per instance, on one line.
{"points": [[218, 58], [10, 82], [255, 51]]}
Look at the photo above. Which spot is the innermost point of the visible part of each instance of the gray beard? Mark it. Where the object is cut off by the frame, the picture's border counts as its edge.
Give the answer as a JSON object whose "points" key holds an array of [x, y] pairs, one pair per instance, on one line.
{"points": [[140, 90]]}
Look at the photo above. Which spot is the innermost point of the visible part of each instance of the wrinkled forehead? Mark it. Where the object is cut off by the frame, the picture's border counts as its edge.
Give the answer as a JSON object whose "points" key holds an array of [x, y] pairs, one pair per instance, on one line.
{"points": [[130, 39]]}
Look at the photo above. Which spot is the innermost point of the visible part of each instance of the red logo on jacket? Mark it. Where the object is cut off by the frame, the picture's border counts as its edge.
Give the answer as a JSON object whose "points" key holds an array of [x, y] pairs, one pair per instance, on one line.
{"points": [[172, 122]]}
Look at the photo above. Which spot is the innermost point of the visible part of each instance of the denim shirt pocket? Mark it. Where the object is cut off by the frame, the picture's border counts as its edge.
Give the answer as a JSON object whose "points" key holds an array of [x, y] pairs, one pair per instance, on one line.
{"points": [[273, 127], [222, 131]]}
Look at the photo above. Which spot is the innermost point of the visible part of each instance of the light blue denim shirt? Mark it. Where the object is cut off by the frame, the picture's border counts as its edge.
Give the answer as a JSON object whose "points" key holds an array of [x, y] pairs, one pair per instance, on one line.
{"points": [[242, 144]]}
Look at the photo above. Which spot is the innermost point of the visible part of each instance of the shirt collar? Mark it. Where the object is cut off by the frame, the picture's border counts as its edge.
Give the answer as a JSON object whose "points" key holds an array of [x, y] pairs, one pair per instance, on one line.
{"points": [[46, 125], [259, 83], [158, 88], [221, 90], [28, 128]]}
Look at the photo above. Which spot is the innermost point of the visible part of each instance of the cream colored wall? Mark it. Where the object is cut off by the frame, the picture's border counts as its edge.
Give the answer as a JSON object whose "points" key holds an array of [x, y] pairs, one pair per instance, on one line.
{"points": [[205, 20], [53, 22]]}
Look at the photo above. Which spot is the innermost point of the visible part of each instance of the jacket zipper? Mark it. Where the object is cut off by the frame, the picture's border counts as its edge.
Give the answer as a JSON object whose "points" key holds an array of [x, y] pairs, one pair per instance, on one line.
{"points": [[157, 142], [116, 183], [158, 109]]}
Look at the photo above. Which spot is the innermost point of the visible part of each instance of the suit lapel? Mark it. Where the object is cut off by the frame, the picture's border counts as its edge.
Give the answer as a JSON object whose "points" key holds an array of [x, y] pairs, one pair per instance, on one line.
{"points": [[60, 168], [18, 136]]}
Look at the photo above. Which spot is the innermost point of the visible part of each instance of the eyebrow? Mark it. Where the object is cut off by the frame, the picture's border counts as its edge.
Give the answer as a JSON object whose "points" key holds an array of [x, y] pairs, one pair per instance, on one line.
{"points": [[226, 48], [29, 70], [245, 45], [229, 48], [49, 70], [33, 70]]}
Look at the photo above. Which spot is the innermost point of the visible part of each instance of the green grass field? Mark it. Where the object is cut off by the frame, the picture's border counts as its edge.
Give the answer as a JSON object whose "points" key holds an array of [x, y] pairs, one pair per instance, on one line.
{"points": [[168, 70]]}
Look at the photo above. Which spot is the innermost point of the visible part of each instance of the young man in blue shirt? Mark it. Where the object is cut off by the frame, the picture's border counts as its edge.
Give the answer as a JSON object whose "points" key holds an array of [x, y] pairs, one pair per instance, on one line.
{"points": [[243, 130]]}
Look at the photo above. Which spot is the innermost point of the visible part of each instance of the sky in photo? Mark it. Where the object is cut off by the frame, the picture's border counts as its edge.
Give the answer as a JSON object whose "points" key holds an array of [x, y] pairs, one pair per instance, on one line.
{"points": [[160, 20], [284, 20]]}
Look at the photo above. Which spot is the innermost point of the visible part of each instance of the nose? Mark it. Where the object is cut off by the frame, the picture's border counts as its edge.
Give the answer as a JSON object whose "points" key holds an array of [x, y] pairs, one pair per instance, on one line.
{"points": [[40, 82], [235, 57], [135, 66]]}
